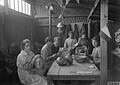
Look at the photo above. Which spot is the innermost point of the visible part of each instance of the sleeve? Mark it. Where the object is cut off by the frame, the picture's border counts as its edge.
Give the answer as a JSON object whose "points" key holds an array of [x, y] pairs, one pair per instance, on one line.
{"points": [[99, 53], [43, 53], [28, 65], [22, 62], [93, 53], [65, 44]]}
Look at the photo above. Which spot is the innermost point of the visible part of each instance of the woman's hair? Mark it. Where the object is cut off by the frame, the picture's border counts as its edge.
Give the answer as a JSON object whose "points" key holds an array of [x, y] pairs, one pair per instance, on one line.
{"points": [[97, 39], [23, 43], [70, 32], [48, 39]]}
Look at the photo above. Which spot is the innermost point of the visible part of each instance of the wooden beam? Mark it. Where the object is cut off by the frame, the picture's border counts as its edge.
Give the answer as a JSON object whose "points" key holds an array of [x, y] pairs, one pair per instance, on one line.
{"points": [[93, 9], [80, 5], [104, 42], [89, 36], [50, 24]]}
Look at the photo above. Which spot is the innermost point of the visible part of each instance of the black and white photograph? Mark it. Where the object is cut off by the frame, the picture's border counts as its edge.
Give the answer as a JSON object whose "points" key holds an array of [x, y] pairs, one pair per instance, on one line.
{"points": [[59, 42]]}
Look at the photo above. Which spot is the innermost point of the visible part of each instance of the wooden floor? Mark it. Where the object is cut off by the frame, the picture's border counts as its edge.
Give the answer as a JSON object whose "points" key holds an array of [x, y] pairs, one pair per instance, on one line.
{"points": [[7, 79], [14, 80], [74, 83], [7, 83]]}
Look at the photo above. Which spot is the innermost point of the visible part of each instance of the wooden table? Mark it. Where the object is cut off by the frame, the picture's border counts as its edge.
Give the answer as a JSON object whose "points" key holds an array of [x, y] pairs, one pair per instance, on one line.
{"points": [[77, 71]]}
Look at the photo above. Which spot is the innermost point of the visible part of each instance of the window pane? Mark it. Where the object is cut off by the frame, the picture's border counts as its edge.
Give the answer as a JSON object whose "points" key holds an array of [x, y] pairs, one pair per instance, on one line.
{"points": [[11, 4], [2, 2], [26, 7], [29, 9], [23, 6], [16, 5], [20, 5]]}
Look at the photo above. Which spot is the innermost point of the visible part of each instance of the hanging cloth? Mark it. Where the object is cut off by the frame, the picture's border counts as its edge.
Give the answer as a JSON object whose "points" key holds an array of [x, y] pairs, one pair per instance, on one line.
{"points": [[82, 30], [76, 32], [67, 30]]}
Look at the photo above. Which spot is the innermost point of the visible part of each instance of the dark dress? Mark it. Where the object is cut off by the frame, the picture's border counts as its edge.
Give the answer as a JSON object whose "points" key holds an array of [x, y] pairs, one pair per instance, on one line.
{"points": [[55, 49], [87, 42]]}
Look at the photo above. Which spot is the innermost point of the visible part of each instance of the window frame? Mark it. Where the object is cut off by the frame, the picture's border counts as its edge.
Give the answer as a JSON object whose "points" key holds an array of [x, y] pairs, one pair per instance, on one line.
{"points": [[22, 6]]}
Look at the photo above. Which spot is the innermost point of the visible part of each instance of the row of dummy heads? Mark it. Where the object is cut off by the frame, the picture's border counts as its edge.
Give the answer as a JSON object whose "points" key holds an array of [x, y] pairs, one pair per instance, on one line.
{"points": [[71, 34], [96, 37], [48, 39]]}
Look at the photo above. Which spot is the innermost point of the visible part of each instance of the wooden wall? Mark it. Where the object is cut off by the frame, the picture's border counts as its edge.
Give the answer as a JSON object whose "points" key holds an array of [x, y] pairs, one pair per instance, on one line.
{"points": [[2, 39], [14, 27], [113, 60], [41, 32]]}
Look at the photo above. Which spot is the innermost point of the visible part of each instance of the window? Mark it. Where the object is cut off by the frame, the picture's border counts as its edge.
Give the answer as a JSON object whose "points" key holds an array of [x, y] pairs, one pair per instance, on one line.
{"points": [[20, 6], [11, 4], [29, 9], [16, 5], [26, 8], [2, 2], [23, 6]]}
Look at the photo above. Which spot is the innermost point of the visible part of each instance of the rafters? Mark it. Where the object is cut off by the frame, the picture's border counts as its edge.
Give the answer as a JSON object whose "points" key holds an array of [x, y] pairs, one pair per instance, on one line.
{"points": [[80, 5], [93, 9]]}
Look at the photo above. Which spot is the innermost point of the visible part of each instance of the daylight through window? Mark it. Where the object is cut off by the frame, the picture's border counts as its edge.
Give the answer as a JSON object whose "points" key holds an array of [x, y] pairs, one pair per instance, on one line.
{"points": [[2, 2], [19, 5]]}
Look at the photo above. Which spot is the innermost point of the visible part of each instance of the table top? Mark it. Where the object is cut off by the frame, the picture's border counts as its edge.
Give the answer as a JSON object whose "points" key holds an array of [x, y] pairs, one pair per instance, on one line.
{"points": [[77, 71]]}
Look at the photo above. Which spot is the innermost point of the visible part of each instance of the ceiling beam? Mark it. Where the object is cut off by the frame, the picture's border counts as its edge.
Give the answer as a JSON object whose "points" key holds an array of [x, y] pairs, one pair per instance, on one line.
{"points": [[80, 5], [93, 9]]}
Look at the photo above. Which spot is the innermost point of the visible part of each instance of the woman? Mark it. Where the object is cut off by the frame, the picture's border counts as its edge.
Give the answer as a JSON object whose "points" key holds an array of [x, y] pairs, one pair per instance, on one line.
{"points": [[27, 64], [84, 41], [46, 50], [70, 41], [56, 45], [82, 46], [96, 53], [46, 53]]}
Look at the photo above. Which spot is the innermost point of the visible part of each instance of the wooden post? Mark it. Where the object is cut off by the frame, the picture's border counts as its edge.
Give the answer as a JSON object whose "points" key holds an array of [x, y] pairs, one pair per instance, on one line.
{"points": [[104, 43], [5, 17], [33, 11], [93, 9], [89, 28], [50, 23]]}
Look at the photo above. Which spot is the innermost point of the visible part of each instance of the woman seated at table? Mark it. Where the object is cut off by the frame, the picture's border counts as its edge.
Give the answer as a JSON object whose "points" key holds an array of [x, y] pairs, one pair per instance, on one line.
{"points": [[46, 50], [46, 53], [30, 66], [55, 51], [82, 45], [56, 45], [96, 53], [70, 41]]}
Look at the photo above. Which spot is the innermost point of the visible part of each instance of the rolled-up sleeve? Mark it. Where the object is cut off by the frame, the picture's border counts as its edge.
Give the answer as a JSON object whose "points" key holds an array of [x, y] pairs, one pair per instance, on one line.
{"points": [[65, 44]]}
